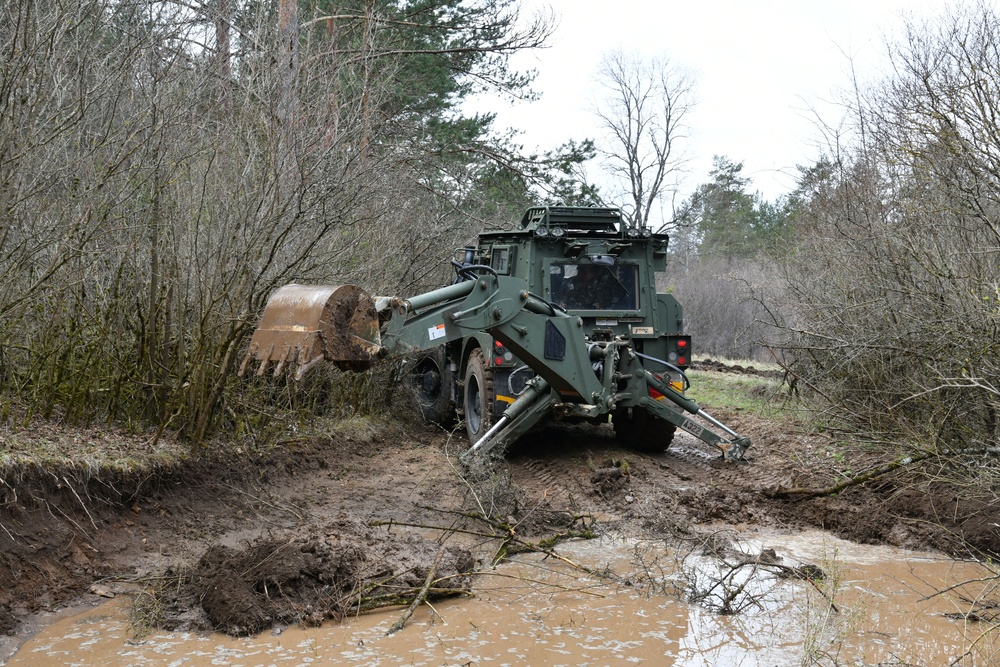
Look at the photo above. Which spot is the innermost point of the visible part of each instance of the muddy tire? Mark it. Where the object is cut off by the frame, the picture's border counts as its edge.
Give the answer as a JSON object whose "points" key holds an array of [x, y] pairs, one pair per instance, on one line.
{"points": [[478, 397], [640, 430], [432, 379]]}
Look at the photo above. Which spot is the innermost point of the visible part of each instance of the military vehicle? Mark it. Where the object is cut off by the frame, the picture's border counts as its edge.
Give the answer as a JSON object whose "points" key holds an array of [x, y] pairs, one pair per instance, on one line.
{"points": [[558, 318]]}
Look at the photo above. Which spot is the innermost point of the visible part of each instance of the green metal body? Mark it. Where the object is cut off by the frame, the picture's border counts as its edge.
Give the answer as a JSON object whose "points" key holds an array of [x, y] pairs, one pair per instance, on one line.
{"points": [[564, 311]]}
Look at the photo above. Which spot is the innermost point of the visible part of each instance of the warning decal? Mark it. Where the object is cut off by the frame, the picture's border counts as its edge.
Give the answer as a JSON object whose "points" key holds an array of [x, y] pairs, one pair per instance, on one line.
{"points": [[436, 332]]}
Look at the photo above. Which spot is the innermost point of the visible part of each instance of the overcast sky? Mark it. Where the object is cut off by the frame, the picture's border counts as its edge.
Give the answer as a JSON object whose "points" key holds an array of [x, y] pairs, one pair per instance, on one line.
{"points": [[758, 65]]}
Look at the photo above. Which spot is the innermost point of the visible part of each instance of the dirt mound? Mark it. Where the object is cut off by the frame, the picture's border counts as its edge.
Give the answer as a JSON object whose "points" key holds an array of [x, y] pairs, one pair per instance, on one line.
{"points": [[307, 579], [720, 367]]}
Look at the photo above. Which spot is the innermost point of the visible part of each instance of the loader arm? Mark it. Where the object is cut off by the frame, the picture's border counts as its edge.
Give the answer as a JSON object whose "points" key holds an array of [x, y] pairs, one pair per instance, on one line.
{"points": [[546, 339], [341, 324]]}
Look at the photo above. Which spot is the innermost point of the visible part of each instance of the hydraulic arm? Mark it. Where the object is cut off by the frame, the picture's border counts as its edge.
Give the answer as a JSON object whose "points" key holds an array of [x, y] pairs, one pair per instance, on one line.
{"points": [[575, 374]]}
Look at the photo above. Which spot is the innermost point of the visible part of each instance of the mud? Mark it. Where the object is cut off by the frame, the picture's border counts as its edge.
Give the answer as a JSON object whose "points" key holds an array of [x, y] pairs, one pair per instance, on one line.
{"points": [[540, 612], [346, 318], [255, 541], [334, 570], [738, 369]]}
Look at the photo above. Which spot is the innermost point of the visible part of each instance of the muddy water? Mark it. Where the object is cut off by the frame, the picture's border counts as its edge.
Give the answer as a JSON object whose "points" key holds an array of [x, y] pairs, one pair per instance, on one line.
{"points": [[542, 612]]}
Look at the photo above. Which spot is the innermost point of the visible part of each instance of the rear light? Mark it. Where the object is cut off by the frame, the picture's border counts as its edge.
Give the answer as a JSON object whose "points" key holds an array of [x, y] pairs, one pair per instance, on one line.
{"points": [[498, 361], [680, 352]]}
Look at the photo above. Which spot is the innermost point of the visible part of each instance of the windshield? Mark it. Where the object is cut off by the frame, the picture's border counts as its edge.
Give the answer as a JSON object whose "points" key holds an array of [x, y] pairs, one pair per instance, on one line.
{"points": [[595, 287]]}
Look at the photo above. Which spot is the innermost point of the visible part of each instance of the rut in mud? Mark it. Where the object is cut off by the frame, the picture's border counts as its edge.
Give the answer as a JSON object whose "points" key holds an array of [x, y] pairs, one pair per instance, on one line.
{"points": [[312, 505]]}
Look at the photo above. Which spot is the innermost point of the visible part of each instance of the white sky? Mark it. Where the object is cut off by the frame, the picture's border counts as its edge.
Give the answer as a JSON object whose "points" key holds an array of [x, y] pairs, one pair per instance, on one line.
{"points": [[758, 67]]}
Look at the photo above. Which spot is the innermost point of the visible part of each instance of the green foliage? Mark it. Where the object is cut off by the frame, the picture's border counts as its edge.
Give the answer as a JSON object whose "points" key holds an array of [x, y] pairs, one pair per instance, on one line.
{"points": [[723, 248], [729, 222], [731, 391], [562, 179]]}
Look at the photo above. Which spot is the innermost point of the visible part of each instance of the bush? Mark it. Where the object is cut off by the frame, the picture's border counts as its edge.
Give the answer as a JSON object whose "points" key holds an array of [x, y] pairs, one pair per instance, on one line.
{"points": [[895, 280], [722, 305]]}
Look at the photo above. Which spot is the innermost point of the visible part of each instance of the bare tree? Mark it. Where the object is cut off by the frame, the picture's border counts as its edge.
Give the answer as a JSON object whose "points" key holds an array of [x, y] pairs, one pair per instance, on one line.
{"points": [[644, 111], [895, 278], [165, 165]]}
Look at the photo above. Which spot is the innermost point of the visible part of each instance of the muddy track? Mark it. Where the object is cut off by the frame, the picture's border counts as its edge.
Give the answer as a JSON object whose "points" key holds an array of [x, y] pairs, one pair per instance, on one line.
{"points": [[689, 485], [404, 473], [553, 485], [687, 460]]}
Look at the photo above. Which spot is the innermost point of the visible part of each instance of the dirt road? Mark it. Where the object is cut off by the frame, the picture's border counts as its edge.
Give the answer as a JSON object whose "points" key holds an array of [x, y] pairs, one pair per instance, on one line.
{"points": [[61, 544]]}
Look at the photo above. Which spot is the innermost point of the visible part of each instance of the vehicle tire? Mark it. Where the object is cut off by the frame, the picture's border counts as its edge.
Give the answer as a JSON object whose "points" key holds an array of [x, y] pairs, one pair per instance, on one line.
{"points": [[643, 431], [478, 397], [432, 378]]}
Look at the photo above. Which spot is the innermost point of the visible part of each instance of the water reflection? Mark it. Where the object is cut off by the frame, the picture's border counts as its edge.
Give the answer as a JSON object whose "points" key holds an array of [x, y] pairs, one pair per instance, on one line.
{"points": [[541, 612]]}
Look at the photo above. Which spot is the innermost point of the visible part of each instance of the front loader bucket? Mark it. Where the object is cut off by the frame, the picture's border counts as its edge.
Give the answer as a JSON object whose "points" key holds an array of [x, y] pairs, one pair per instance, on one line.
{"points": [[303, 325]]}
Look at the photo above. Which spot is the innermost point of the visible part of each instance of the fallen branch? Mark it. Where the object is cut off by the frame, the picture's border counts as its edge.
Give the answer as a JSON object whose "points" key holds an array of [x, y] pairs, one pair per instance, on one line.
{"points": [[507, 536], [807, 573], [510, 543], [421, 597], [853, 481], [448, 529]]}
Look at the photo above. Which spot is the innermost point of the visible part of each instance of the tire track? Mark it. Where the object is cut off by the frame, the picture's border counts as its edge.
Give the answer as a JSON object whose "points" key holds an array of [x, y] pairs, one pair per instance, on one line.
{"points": [[690, 461], [551, 478]]}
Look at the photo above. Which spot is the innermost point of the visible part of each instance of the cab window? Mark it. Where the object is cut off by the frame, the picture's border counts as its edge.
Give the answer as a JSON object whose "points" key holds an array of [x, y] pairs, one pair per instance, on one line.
{"points": [[587, 286]]}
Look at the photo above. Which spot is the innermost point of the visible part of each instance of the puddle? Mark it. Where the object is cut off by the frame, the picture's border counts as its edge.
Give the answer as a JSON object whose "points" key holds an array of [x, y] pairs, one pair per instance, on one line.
{"points": [[543, 612]]}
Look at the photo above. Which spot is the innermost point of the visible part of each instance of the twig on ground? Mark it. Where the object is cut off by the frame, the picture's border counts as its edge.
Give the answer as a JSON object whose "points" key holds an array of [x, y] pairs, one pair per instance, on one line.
{"points": [[853, 481], [278, 506], [420, 597]]}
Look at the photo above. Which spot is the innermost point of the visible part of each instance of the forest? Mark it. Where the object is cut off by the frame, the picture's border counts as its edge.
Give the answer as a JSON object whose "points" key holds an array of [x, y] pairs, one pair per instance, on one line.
{"points": [[164, 166]]}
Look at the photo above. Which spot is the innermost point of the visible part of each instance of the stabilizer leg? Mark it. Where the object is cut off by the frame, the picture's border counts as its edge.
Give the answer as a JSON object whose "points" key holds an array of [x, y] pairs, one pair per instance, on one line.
{"points": [[533, 404]]}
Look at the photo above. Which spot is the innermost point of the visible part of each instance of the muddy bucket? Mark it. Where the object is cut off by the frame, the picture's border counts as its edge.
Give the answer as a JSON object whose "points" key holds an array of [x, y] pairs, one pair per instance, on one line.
{"points": [[303, 325]]}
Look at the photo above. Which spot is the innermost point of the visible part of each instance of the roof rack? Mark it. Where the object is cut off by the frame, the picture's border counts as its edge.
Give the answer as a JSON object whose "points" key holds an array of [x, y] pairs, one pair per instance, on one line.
{"points": [[591, 219]]}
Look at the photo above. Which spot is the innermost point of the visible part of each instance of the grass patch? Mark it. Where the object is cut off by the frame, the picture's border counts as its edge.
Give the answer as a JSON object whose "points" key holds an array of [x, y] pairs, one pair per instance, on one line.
{"points": [[109, 465], [51, 444], [761, 395]]}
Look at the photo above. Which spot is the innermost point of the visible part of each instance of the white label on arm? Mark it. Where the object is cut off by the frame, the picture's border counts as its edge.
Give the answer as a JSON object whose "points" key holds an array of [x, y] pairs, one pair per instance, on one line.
{"points": [[436, 332]]}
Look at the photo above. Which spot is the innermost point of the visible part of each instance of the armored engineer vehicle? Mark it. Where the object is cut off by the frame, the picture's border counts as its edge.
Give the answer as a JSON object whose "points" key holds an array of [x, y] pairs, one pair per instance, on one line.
{"points": [[556, 319]]}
